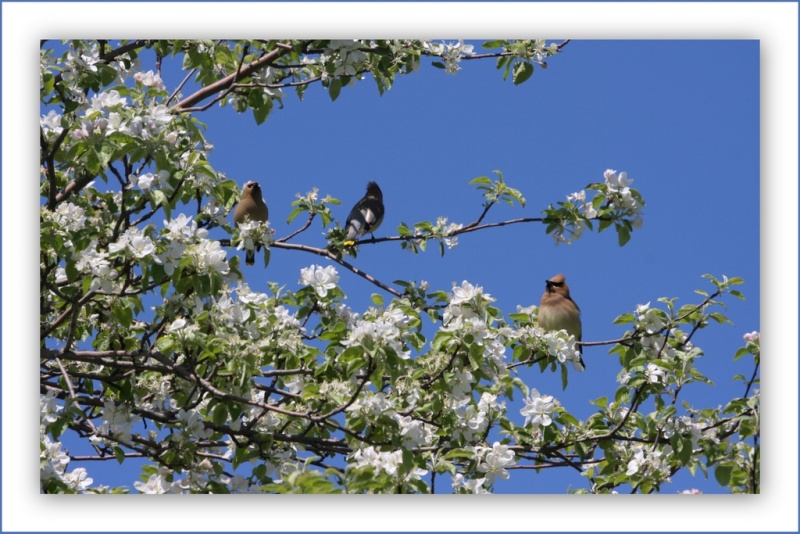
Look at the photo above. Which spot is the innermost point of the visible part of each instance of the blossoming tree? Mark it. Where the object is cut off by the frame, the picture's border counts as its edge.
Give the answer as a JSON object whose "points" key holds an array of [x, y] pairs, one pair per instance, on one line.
{"points": [[153, 347]]}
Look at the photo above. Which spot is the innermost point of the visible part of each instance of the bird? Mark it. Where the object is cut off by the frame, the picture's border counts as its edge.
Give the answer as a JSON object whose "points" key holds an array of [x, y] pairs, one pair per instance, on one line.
{"points": [[251, 208], [366, 215], [558, 311]]}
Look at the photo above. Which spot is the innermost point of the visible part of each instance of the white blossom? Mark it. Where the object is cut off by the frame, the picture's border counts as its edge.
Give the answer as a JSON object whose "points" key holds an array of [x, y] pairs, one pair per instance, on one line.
{"points": [[654, 373], [184, 228], [538, 409], [171, 256], [475, 485], [117, 422], [388, 462], [149, 79], [451, 53], [752, 337], [49, 408], [650, 460], [107, 99], [414, 433], [53, 464], [562, 346], [496, 461], [385, 330], [208, 255], [70, 217], [51, 124], [322, 279], [372, 405], [134, 241], [157, 483]]}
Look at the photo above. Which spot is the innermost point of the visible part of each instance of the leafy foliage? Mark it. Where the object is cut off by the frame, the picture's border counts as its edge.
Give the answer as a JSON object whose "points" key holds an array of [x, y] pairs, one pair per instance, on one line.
{"points": [[225, 389]]}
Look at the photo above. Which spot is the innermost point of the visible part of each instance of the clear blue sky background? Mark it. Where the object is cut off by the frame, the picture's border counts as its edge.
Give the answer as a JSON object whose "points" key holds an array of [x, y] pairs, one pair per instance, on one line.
{"points": [[681, 117]]}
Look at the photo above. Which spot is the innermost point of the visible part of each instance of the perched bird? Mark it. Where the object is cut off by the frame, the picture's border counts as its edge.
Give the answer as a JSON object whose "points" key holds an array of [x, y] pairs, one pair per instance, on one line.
{"points": [[366, 215], [251, 208], [558, 311]]}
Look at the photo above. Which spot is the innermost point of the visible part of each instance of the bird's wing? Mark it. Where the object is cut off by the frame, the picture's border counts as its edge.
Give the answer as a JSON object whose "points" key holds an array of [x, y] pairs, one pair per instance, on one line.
{"points": [[361, 219]]}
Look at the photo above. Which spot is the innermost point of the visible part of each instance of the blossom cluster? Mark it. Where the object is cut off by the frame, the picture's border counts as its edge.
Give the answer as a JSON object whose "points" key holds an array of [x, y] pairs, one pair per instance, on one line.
{"points": [[467, 315], [451, 53], [446, 231], [252, 232], [390, 462], [620, 195], [472, 419], [538, 409], [492, 462], [615, 199], [53, 464], [321, 279], [385, 329], [556, 343], [345, 57], [649, 461]]}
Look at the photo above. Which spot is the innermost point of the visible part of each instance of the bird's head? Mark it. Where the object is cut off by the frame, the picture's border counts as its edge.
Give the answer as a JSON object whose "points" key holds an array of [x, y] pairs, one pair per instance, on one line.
{"points": [[557, 284], [252, 188], [374, 190]]}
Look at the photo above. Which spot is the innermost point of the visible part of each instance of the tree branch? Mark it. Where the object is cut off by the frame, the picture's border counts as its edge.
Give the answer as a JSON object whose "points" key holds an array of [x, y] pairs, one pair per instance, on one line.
{"points": [[327, 254], [227, 81]]}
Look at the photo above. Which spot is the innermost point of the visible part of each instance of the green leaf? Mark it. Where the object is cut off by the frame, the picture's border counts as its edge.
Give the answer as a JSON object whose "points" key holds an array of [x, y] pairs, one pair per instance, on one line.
{"points": [[295, 213], [377, 299], [723, 474], [57, 427], [335, 88], [256, 99], [568, 419], [433, 314], [522, 71], [737, 294], [260, 114], [624, 319], [623, 234], [119, 454], [718, 317], [220, 415], [475, 355], [685, 452], [481, 180], [494, 44], [123, 314], [441, 339], [165, 344]]}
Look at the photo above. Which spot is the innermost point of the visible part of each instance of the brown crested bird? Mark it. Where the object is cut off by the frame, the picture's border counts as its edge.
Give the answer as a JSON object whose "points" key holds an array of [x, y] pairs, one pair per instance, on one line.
{"points": [[251, 208], [367, 214], [558, 311]]}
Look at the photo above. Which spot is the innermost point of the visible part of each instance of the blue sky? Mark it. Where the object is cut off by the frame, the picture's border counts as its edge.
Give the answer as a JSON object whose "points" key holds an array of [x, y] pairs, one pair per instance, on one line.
{"points": [[680, 117]]}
